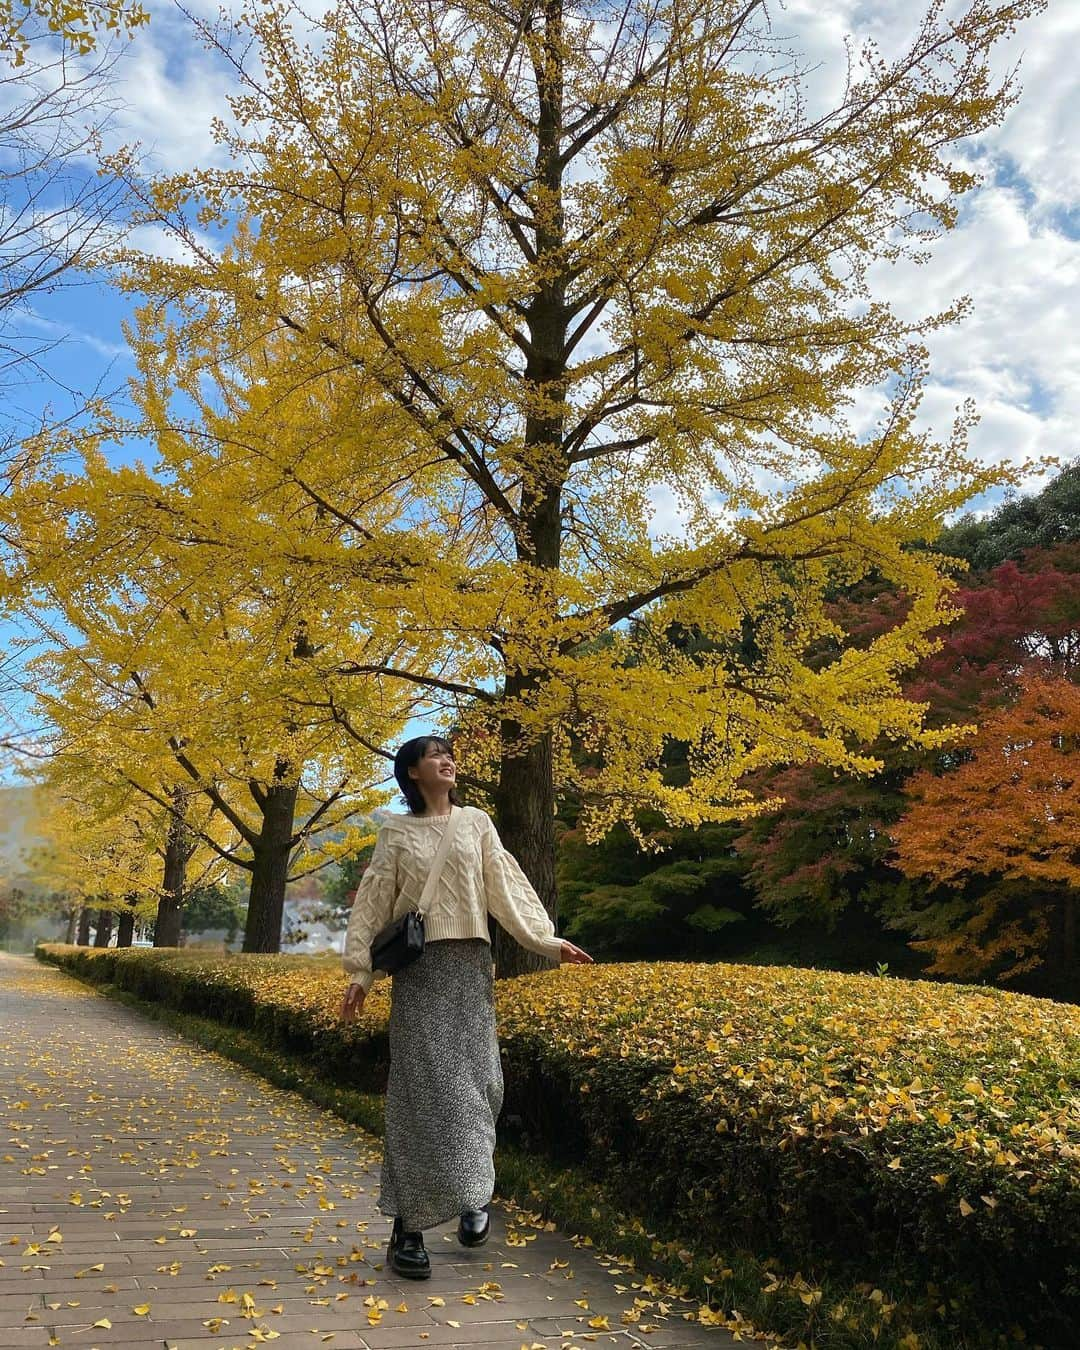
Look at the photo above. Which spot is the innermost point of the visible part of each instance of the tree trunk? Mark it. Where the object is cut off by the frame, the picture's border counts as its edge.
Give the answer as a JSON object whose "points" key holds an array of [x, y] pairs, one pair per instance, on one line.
{"points": [[525, 817], [1068, 942], [270, 870], [125, 928], [72, 925], [82, 936], [171, 902], [525, 796], [104, 928]]}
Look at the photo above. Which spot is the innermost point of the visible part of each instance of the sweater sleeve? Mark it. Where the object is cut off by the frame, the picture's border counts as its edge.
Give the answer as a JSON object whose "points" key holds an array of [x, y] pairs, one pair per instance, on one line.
{"points": [[511, 899], [372, 910]]}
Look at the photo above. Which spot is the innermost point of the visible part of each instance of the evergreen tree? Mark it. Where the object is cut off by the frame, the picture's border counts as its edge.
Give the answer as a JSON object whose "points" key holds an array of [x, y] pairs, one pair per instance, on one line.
{"points": [[1039, 520]]}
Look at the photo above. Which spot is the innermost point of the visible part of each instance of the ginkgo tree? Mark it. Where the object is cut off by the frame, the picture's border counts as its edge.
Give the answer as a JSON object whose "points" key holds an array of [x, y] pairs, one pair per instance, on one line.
{"points": [[518, 273], [183, 683], [79, 24], [224, 734], [111, 846], [102, 861]]}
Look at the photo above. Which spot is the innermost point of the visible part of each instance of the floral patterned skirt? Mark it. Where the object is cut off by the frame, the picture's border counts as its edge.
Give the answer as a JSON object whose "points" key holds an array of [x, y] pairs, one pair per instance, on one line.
{"points": [[445, 1086]]}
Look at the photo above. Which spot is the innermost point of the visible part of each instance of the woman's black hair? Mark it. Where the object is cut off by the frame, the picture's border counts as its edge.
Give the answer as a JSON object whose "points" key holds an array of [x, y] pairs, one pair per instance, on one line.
{"points": [[409, 754]]}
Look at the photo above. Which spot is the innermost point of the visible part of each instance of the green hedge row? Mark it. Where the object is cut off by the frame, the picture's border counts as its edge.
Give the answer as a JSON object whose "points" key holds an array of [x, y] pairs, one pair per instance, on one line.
{"points": [[905, 1132]]}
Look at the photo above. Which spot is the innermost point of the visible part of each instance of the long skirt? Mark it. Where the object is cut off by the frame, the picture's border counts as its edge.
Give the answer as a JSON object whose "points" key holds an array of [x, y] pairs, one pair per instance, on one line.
{"points": [[445, 1086]]}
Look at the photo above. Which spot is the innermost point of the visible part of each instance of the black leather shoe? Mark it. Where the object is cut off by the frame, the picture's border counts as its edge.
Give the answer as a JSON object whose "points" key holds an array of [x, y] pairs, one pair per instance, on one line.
{"points": [[406, 1254], [473, 1227]]}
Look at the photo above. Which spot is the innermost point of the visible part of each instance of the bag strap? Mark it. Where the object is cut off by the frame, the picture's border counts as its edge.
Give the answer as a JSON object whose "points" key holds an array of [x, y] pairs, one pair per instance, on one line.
{"points": [[440, 858]]}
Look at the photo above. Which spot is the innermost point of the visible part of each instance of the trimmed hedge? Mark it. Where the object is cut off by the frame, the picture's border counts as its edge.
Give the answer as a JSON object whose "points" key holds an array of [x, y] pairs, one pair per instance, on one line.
{"points": [[863, 1127]]}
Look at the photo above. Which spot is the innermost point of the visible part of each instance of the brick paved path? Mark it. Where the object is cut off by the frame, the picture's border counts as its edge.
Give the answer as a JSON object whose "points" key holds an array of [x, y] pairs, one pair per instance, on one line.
{"points": [[148, 1187]]}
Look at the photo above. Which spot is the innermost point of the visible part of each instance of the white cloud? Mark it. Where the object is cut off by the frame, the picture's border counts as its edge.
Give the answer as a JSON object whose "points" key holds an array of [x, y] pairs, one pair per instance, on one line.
{"points": [[52, 331], [168, 245], [1017, 354], [169, 88], [1039, 135], [1013, 252]]}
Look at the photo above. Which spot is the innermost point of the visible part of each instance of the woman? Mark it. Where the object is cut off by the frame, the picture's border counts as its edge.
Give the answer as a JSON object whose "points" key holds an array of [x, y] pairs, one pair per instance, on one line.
{"points": [[445, 1087]]}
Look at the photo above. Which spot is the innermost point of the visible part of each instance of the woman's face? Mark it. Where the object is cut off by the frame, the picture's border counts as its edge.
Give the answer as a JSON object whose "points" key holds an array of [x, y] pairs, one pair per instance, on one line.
{"points": [[435, 771]]}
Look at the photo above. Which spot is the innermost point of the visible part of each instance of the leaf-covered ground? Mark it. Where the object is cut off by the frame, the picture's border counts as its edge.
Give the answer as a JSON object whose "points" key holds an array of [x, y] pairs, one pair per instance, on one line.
{"points": [[152, 1194]]}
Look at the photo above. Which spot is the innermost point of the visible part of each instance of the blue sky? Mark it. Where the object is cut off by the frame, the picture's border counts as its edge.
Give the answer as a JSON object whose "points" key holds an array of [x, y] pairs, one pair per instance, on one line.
{"points": [[1015, 252]]}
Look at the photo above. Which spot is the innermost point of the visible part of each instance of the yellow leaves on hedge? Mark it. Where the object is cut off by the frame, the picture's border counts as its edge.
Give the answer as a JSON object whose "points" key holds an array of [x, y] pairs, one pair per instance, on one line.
{"points": [[835, 1055]]}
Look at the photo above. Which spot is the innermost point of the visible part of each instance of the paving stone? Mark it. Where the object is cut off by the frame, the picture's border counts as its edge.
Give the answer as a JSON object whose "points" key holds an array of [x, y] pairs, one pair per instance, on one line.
{"points": [[100, 1300], [515, 1343], [14, 1306], [487, 1334], [85, 1255], [17, 1337], [141, 1124], [85, 1343], [125, 1326], [104, 1284], [343, 1340]]}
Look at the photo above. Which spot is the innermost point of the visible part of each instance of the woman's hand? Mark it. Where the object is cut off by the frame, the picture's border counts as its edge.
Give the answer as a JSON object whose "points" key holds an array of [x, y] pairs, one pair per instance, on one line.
{"points": [[571, 955], [353, 1002]]}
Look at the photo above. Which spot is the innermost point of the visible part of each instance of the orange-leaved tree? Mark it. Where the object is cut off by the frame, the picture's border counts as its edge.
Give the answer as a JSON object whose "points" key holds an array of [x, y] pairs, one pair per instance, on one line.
{"points": [[1003, 829]]}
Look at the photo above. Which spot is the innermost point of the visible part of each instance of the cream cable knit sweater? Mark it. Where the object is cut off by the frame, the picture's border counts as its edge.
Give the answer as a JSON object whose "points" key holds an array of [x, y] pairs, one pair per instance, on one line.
{"points": [[479, 877]]}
